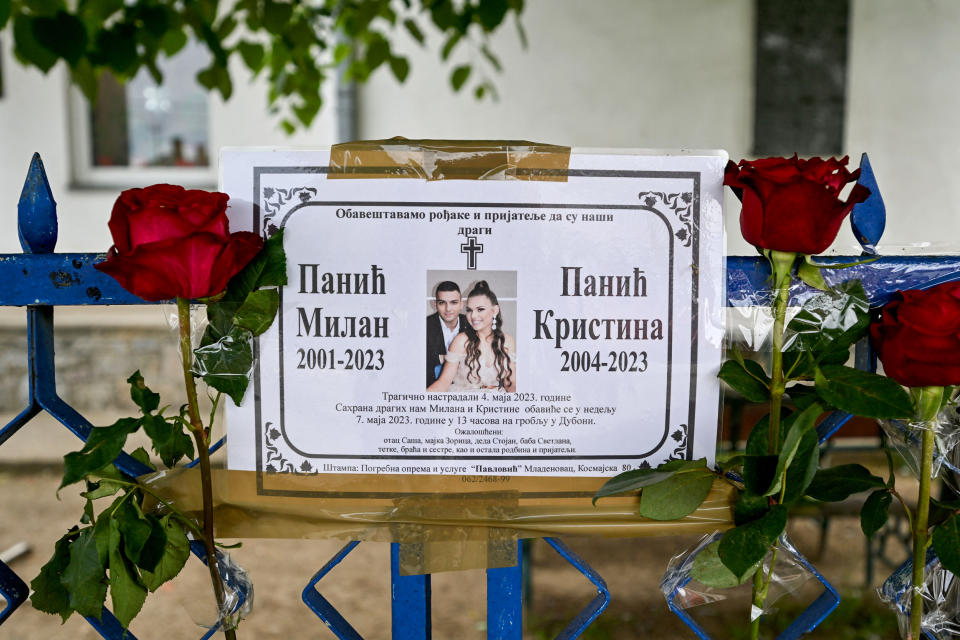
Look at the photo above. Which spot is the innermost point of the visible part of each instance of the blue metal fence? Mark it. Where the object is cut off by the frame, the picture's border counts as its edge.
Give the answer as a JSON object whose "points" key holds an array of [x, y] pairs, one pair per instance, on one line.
{"points": [[40, 280]]}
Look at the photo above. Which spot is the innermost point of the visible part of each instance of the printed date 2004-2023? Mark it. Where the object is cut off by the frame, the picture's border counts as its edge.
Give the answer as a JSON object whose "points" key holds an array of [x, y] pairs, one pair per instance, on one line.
{"points": [[616, 361]]}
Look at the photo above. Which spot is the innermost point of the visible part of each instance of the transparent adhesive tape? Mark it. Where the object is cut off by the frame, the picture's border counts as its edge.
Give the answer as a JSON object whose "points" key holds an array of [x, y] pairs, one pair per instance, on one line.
{"points": [[449, 160], [458, 525]]}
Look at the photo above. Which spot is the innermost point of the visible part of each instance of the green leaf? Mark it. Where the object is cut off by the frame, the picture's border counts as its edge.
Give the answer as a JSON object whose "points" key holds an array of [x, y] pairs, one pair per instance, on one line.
{"points": [[838, 483], [802, 396], [85, 577], [400, 68], [414, 30], [4, 12], [102, 446], [168, 438], [758, 465], [459, 76], [749, 507], [799, 424], [26, 47], [141, 456], [63, 34], [173, 41], [48, 594], [946, 542], [811, 274], [267, 269], [257, 312], [101, 489], [273, 272], [225, 365], [175, 554], [378, 51], [276, 15], [873, 514], [491, 58], [491, 13], [743, 547], [216, 77], [142, 396], [126, 592], [678, 495], [449, 45], [252, 54], [630, 481], [804, 467], [862, 393], [708, 569], [307, 110], [740, 379], [134, 529], [942, 511], [117, 47]]}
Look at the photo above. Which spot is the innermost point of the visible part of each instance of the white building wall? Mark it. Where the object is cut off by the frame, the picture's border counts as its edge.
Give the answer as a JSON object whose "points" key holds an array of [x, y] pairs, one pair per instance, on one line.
{"points": [[903, 109], [618, 73]]}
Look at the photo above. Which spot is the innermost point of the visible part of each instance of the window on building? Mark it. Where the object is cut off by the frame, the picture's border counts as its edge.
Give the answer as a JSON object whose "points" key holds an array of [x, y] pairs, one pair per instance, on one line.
{"points": [[801, 77], [142, 132]]}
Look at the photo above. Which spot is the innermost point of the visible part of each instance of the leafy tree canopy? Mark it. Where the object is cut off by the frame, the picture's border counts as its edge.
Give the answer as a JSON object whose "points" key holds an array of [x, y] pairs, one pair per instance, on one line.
{"points": [[296, 43]]}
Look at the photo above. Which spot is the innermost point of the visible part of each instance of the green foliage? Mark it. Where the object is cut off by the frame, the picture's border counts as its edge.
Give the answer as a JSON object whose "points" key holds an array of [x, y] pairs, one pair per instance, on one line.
{"points": [[749, 380], [797, 426], [742, 548], [875, 510], [672, 490], [246, 309], [836, 484], [49, 595], [678, 495], [862, 393], [946, 542], [289, 41], [709, 569]]}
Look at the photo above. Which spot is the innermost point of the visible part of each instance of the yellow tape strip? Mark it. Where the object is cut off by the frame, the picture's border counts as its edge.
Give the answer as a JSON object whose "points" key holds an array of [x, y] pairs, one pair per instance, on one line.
{"points": [[449, 160], [471, 528]]}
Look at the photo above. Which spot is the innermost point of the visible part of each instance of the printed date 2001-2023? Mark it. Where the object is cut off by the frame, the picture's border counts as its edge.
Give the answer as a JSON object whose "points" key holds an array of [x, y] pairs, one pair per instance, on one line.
{"points": [[359, 359]]}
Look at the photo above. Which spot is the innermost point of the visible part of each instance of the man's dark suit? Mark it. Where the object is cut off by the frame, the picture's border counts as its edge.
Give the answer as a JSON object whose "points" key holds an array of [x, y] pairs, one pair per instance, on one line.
{"points": [[436, 346]]}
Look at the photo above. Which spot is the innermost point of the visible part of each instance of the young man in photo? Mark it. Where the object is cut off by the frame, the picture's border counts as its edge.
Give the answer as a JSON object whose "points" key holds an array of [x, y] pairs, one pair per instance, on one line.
{"points": [[443, 325]]}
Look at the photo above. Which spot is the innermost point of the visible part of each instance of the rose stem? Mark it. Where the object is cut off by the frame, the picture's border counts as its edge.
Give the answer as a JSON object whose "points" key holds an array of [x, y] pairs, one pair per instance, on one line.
{"points": [[920, 528], [780, 266], [203, 453]]}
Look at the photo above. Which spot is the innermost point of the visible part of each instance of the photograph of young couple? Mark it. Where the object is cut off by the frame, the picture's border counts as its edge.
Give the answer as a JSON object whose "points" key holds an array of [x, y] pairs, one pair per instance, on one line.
{"points": [[467, 345]]}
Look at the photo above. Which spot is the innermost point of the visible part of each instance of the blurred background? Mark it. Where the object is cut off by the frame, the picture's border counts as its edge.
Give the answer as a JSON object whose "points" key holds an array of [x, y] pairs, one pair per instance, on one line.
{"points": [[753, 77]]}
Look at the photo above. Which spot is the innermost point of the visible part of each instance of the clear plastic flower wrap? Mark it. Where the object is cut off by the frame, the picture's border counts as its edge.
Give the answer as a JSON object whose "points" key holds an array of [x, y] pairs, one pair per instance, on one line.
{"points": [[941, 599], [683, 592], [905, 435], [237, 592]]}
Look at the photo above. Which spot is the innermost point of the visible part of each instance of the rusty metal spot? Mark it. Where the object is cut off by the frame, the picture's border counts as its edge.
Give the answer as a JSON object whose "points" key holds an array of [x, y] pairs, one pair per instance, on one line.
{"points": [[61, 279], [94, 292]]}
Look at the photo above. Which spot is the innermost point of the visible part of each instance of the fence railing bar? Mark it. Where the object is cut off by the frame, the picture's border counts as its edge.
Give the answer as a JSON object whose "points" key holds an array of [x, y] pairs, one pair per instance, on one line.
{"points": [[505, 601], [410, 602]]}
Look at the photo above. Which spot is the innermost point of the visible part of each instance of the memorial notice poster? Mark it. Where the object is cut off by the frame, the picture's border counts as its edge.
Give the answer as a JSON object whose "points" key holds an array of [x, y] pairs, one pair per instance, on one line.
{"points": [[591, 345]]}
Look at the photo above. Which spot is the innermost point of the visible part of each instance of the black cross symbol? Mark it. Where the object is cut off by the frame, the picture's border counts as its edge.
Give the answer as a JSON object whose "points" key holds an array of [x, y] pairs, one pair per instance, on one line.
{"points": [[471, 248]]}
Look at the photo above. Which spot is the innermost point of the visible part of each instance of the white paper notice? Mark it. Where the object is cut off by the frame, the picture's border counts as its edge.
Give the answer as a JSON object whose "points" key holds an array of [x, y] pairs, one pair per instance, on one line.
{"points": [[607, 289]]}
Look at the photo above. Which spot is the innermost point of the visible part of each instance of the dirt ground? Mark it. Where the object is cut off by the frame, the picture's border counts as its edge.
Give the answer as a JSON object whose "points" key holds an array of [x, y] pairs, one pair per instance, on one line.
{"points": [[359, 587]]}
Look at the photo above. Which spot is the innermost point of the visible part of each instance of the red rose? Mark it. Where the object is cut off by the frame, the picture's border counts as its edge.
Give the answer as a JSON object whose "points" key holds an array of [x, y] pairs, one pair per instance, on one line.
{"points": [[170, 242], [790, 204], [918, 337]]}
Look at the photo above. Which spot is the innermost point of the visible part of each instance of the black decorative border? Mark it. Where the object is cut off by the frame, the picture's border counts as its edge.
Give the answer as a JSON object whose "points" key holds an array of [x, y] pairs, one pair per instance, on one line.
{"points": [[685, 206]]}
